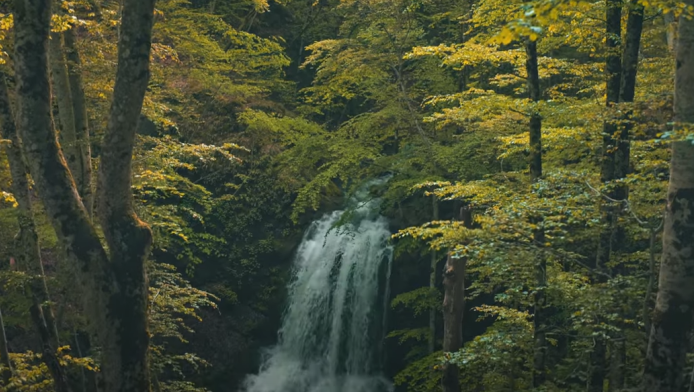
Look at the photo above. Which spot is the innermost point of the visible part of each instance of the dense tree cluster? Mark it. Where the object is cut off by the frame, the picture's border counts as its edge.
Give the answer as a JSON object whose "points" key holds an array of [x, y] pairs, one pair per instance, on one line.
{"points": [[161, 160]]}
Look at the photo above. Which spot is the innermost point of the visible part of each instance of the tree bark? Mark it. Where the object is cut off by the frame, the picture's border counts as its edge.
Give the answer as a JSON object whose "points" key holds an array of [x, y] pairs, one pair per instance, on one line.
{"points": [[432, 283], [615, 162], [618, 357], [535, 125], [83, 179], [114, 284], [672, 317], [533, 84], [27, 249], [128, 238], [630, 54], [620, 168], [63, 97], [453, 310], [646, 310]]}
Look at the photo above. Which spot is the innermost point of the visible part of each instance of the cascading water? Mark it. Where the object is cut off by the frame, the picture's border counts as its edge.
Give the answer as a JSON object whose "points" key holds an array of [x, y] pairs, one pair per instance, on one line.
{"points": [[331, 334]]}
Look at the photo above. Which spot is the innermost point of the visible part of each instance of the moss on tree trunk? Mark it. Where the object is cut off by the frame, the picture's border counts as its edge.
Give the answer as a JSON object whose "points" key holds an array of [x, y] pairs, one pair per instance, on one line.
{"points": [[114, 283]]}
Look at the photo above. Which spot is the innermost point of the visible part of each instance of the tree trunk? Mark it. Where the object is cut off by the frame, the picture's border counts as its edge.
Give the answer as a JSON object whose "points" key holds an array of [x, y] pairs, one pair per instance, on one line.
{"points": [[539, 319], [533, 84], [432, 284], [114, 284], [453, 309], [5, 362], [128, 238], [615, 157], [83, 179], [630, 55], [63, 97], [646, 311], [28, 253], [620, 168], [618, 357], [672, 317]]}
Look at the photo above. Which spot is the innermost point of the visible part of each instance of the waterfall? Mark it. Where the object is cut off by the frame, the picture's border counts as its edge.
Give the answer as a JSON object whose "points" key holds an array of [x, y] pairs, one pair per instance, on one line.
{"points": [[332, 330]]}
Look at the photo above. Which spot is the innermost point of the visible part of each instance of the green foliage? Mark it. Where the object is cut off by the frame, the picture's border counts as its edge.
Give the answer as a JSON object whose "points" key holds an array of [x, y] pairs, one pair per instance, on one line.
{"points": [[419, 301], [325, 95], [174, 303], [419, 376]]}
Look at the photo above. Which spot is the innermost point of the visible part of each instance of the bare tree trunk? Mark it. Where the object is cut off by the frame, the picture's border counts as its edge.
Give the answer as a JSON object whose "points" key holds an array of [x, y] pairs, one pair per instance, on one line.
{"points": [[27, 249], [672, 317], [613, 155], [114, 284], [5, 362], [535, 136], [83, 179], [630, 55], [432, 284], [453, 310], [620, 167]]}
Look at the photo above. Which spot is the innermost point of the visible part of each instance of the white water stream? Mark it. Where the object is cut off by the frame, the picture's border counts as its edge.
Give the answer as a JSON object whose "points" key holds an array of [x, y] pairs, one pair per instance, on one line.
{"points": [[332, 331]]}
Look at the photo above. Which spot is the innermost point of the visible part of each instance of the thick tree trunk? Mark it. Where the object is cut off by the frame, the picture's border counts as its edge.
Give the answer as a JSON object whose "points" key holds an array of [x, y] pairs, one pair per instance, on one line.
{"points": [[115, 288], [27, 249], [453, 310], [5, 362], [79, 105], [432, 283], [672, 317], [128, 238]]}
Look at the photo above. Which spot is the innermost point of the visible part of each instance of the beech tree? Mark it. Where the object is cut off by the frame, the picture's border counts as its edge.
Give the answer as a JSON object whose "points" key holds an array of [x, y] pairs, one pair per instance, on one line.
{"points": [[674, 307], [112, 275], [26, 246]]}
